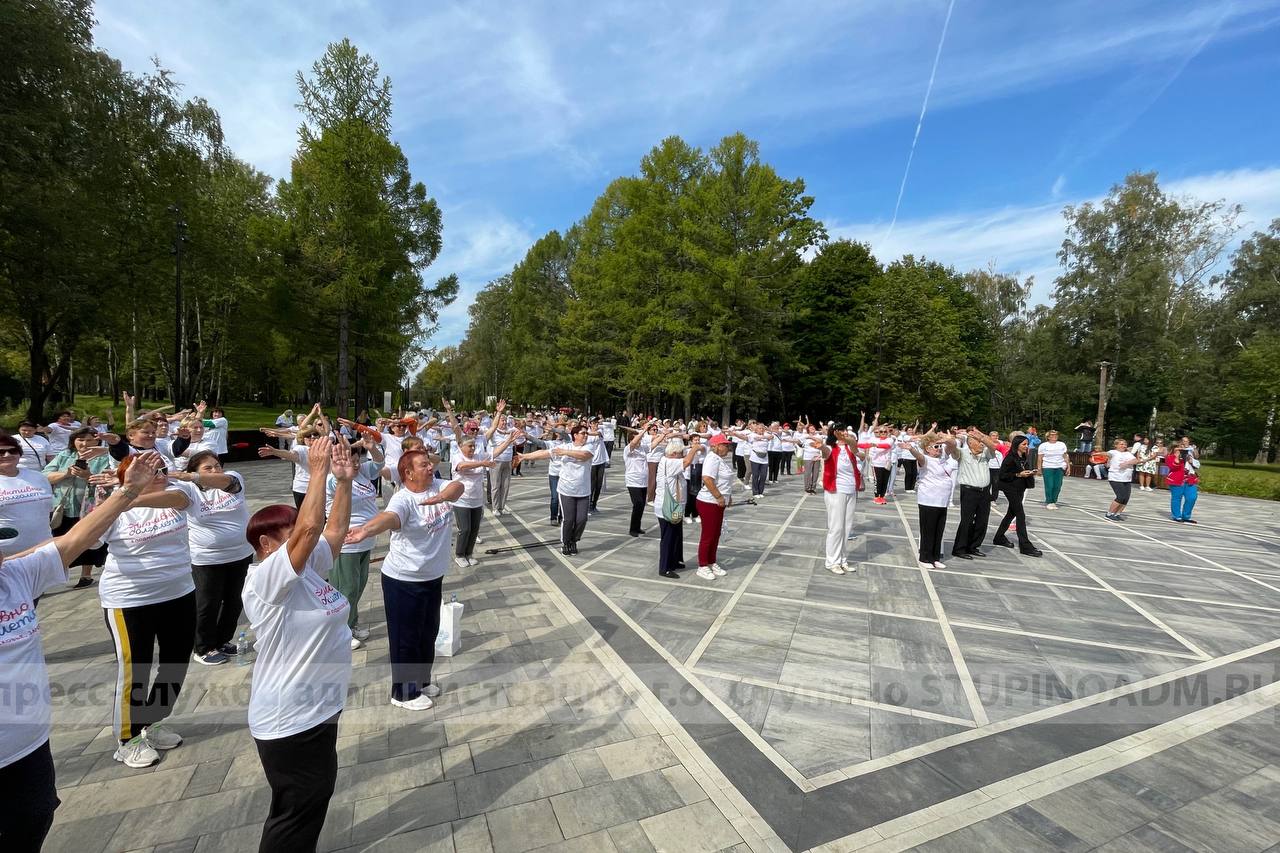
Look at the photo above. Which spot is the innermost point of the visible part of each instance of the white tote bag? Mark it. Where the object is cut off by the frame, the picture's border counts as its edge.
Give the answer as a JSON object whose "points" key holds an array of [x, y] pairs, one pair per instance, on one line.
{"points": [[449, 639]]}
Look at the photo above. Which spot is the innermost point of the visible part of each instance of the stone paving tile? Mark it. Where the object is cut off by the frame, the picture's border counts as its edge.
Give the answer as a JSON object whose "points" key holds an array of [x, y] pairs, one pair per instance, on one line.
{"points": [[692, 829], [534, 740], [614, 802]]}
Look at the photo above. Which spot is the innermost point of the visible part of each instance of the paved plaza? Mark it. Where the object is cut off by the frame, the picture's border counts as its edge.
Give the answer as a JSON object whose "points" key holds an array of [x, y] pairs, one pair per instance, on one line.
{"points": [[1119, 693]]}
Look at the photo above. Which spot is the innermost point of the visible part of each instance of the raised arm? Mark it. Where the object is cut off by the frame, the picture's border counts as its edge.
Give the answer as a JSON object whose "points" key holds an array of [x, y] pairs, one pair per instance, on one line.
{"points": [[310, 524], [343, 468], [266, 452]]}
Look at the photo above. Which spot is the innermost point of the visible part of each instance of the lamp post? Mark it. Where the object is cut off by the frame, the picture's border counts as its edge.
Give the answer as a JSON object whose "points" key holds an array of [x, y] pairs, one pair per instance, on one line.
{"points": [[1099, 440]]}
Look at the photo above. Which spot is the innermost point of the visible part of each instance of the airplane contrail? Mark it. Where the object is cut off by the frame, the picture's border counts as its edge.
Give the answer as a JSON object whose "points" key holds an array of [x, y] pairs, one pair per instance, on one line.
{"points": [[920, 122]]}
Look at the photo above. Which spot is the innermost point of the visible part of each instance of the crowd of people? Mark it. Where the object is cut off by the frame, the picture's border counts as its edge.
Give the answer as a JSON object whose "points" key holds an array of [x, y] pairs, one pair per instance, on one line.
{"points": [[181, 559]]}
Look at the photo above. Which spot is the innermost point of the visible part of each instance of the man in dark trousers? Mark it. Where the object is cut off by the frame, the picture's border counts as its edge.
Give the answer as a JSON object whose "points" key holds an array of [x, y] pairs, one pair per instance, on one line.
{"points": [[974, 479]]}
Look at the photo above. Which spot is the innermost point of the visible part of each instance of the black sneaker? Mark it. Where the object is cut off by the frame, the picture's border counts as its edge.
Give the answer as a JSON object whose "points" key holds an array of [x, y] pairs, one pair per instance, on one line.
{"points": [[228, 649], [672, 575], [962, 555], [1002, 541], [975, 552], [1031, 551]]}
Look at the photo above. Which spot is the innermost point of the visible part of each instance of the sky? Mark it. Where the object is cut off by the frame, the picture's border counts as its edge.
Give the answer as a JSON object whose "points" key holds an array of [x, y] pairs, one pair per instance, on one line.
{"points": [[517, 115]]}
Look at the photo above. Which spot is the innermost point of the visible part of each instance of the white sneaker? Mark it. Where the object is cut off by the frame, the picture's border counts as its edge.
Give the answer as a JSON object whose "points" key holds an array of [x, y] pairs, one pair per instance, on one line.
{"points": [[924, 565], [836, 570], [479, 540], [717, 571], [422, 703], [472, 561], [848, 569], [161, 737], [705, 573], [697, 519], [432, 690], [137, 753], [938, 565], [356, 642], [462, 562], [360, 633]]}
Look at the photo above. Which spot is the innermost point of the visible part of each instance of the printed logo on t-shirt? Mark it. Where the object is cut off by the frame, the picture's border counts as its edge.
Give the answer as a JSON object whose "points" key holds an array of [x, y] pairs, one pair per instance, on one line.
{"points": [[165, 521], [18, 624], [435, 517], [23, 494], [219, 501], [329, 597]]}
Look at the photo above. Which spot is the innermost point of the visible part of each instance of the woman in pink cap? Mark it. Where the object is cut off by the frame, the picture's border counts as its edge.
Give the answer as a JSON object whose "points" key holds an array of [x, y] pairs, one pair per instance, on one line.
{"points": [[716, 494]]}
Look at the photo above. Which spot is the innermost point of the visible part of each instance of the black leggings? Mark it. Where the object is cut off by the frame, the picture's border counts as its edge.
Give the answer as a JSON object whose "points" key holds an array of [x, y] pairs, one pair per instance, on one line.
{"points": [[302, 770], [787, 456], [740, 465], [933, 519], [638, 506], [468, 520], [775, 463], [136, 632], [1015, 513], [218, 603], [995, 484], [882, 481], [671, 548], [573, 511], [695, 485], [909, 468], [30, 798], [597, 483]]}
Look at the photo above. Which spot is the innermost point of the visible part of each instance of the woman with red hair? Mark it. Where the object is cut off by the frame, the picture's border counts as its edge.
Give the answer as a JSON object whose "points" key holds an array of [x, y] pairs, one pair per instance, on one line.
{"points": [[304, 647], [420, 519]]}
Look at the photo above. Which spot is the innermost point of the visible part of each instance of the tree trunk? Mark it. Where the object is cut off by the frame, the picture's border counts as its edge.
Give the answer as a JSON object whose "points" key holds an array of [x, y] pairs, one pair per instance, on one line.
{"points": [[344, 323], [1264, 451], [137, 388], [727, 407]]}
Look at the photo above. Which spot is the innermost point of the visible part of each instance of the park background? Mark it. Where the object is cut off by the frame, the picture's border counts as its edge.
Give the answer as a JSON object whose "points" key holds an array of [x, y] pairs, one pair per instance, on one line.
{"points": [[141, 253]]}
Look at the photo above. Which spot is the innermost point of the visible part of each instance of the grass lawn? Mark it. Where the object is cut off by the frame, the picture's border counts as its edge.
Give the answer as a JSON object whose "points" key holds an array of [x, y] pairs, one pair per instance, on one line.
{"points": [[1245, 479]]}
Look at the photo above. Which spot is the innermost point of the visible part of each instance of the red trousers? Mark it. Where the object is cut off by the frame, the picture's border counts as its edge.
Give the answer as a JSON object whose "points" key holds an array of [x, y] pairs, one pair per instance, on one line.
{"points": [[712, 516]]}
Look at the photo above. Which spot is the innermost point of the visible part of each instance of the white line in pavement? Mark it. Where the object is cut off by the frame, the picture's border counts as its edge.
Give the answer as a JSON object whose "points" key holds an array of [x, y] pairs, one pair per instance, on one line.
{"points": [[723, 616], [957, 657]]}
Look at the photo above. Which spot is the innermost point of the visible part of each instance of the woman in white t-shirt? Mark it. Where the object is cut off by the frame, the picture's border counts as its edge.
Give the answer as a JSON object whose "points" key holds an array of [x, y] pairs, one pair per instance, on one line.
{"points": [[1120, 465], [1051, 465], [935, 481], [35, 448], [421, 522], [716, 495], [298, 456], [216, 523], [26, 762], [670, 482], [303, 643], [469, 469], [351, 567], [758, 442], [149, 602], [635, 461], [574, 486], [26, 500]]}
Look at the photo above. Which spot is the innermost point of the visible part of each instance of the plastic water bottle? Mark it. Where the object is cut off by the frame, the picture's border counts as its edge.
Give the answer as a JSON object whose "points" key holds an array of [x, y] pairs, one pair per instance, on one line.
{"points": [[243, 650]]}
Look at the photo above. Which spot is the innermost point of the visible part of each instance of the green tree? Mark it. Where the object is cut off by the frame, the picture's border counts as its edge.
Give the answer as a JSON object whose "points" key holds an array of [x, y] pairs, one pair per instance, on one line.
{"points": [[1134, 290], [363, 230], [826, 305]]}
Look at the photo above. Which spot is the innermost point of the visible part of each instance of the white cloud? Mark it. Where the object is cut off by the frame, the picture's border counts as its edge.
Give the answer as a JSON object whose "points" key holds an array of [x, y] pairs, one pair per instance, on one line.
{"points": [[1025, 239], [479, 245]]}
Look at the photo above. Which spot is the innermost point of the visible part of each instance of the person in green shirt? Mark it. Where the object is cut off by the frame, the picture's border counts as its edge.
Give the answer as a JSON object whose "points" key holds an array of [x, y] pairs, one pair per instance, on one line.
{"points": [[73, 496]]}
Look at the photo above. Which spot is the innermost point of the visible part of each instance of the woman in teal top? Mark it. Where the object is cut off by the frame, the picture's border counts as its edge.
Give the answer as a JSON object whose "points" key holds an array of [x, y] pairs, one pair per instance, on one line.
{"points": [[74, 495]]}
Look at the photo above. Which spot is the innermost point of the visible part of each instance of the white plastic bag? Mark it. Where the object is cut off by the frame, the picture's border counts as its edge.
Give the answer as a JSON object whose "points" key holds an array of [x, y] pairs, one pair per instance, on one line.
{"points": [[449, 639]]}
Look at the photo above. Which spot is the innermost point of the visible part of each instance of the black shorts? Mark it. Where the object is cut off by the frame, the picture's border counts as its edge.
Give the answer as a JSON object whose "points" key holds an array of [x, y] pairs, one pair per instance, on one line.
{"points": [[95, 557], [1122, 491]]}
